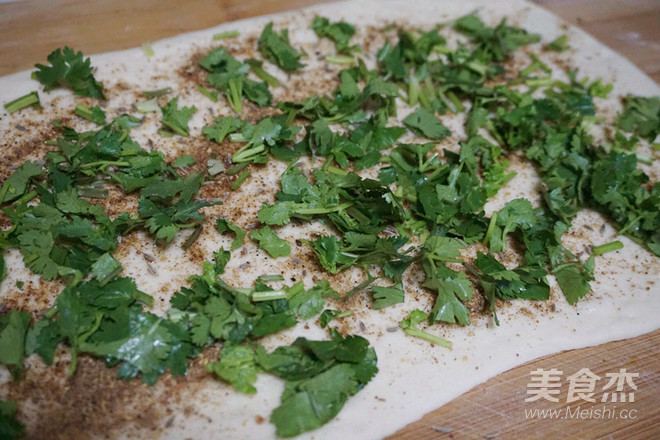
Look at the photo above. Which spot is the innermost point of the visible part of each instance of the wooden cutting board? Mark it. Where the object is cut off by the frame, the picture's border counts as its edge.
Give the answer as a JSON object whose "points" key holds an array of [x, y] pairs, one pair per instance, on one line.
{"points": [[31, 29]]}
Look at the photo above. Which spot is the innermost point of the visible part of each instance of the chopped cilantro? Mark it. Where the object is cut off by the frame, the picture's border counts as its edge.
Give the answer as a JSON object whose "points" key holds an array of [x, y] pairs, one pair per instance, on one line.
{"points": [[184, 161], [320, 375], [13, 328], [10, 428], [409, 326], [223, 226], [270, 242], [93, 114], [424, 123], [641, 116], [277, 49], [387, 296], [559, 44], [69, 69], [176, 119], [340, 32], [31, 99]]}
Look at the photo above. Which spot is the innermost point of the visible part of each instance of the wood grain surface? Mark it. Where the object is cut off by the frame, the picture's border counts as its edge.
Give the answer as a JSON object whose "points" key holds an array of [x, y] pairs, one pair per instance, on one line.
{"points": [[31, 29]]}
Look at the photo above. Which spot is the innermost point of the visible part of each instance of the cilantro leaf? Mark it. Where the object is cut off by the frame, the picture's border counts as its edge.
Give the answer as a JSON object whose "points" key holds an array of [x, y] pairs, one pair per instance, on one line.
{"points": [[237, 366], [573, 279], [17, 184], [270, 242], [494, 44], [425, 123], [330, 315], [559, 44], [340, 32], [69, 69], [321, 376], [13, 328], [309, 303], [409, 326], [176, 119], [230, 75], [223, 226], [277, 49], [221, 128], [106, 268], [452, 288], [331, 254], [641, 116], [184, 161], [10, 428], [94, 114], [313, 402], [516, 214], [387, 296], [526, 282], [147, 345]]}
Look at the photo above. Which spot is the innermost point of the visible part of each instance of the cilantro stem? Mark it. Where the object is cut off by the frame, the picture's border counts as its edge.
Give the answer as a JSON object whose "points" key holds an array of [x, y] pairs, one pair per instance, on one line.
{"points": [[50, 313], [644, 159], [476, 67], [24, 198], [539, 82], [84, 112], [213, 96], [491, 228], [81, 340], [192, 237], [158, 92], [536, 64], [446, 101], [328, 161], [237, 183], [424, 99], [270, 295], [237, 137], [103, 164], [235, 95], [269, 278], [441, 48], [629, 225], [263, 75], [604, 248], [149, 106], [454, 100], [236, 168], [336, 171], [412, 331], [311, 211], [247, 153], [22, 102], [413, 89], [226, 34], [74, 362], [340, 59], [92, 192], [147, 49], [295, 289]]}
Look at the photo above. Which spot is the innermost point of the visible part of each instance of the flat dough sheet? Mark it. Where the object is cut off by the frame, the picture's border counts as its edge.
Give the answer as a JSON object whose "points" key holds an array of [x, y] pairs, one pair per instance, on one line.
{"points": [[414, 377]]}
